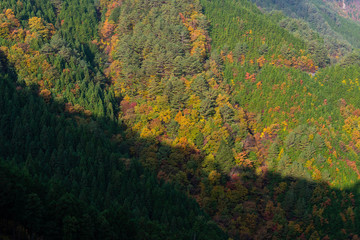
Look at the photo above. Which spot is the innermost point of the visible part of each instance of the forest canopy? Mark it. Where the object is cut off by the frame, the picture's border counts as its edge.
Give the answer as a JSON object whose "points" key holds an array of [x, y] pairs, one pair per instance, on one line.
{"points": [[196, 119]]}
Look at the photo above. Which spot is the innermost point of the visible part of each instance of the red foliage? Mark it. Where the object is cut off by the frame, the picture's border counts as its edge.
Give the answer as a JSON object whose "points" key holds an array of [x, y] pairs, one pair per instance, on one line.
{"points": [[352, 164], [126, 106], [251, 77]]}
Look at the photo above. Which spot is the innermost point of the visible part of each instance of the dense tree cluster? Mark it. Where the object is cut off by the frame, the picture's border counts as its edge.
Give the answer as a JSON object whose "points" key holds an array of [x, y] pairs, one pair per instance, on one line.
{"points": [[325, 17], [124, 119], [65, 166]]}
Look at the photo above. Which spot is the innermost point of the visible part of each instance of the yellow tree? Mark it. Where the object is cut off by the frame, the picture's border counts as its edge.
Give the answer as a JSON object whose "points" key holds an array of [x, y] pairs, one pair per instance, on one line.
{"points": [[37, 26], [8, 22]]}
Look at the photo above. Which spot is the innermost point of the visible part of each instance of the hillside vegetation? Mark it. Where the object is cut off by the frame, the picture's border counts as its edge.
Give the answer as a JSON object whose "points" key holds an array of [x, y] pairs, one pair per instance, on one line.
{"points": [[340, 33], [176, 119]]}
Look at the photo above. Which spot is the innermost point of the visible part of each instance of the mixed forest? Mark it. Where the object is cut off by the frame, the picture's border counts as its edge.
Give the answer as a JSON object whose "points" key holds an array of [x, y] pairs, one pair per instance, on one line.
{"points": [[179, 119]]}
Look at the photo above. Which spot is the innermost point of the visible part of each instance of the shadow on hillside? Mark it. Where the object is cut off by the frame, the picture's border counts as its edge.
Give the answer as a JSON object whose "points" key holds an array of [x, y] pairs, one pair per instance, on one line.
{"points": [[67, 175], [50, 153]]}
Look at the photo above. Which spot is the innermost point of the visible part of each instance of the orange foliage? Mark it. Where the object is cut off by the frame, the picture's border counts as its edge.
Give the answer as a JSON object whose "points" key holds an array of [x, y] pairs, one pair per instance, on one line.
{"points": [[199, 38], [302, 62], [46, 94], [230, 57], [8, 23], [108, 29], [240, 158], [258, 85], [261, 61]]}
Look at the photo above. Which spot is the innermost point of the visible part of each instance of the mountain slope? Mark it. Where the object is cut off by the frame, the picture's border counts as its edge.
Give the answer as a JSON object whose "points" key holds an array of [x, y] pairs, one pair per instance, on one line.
{"points": [[117, 132], [323, 16], [65, 168], [239, 115], [349, 8], [299, 119]]}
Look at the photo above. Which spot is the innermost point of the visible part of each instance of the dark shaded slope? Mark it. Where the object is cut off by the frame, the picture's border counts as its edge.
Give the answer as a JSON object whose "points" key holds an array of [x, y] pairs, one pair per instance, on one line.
{"points": [[64, 177], [44, 196]]}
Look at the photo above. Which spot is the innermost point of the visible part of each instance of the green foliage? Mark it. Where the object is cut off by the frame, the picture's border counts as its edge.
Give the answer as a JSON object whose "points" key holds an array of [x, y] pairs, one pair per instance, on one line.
{"points": [[115, 116], [75, 185], [337, 31], [241, 26], [224, 157]]}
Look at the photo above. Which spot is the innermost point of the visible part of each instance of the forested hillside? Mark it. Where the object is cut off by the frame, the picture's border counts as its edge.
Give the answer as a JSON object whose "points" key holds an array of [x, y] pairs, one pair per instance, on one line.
{"points": [[339, 32], [65, 167], [209, 119], [346, 8]]}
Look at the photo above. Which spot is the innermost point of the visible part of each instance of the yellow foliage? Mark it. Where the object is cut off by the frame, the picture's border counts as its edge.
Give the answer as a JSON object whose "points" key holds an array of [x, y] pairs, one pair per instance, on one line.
{"points": [[316, 174], [329, 161], [194, 101], [281, 153], [37, 26], [311, 137], [165, 116], [222, 100], [208, 161], [214, 177], [198, 35], [270, 131], [328, 144], [145, 132], [309, 163]]}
